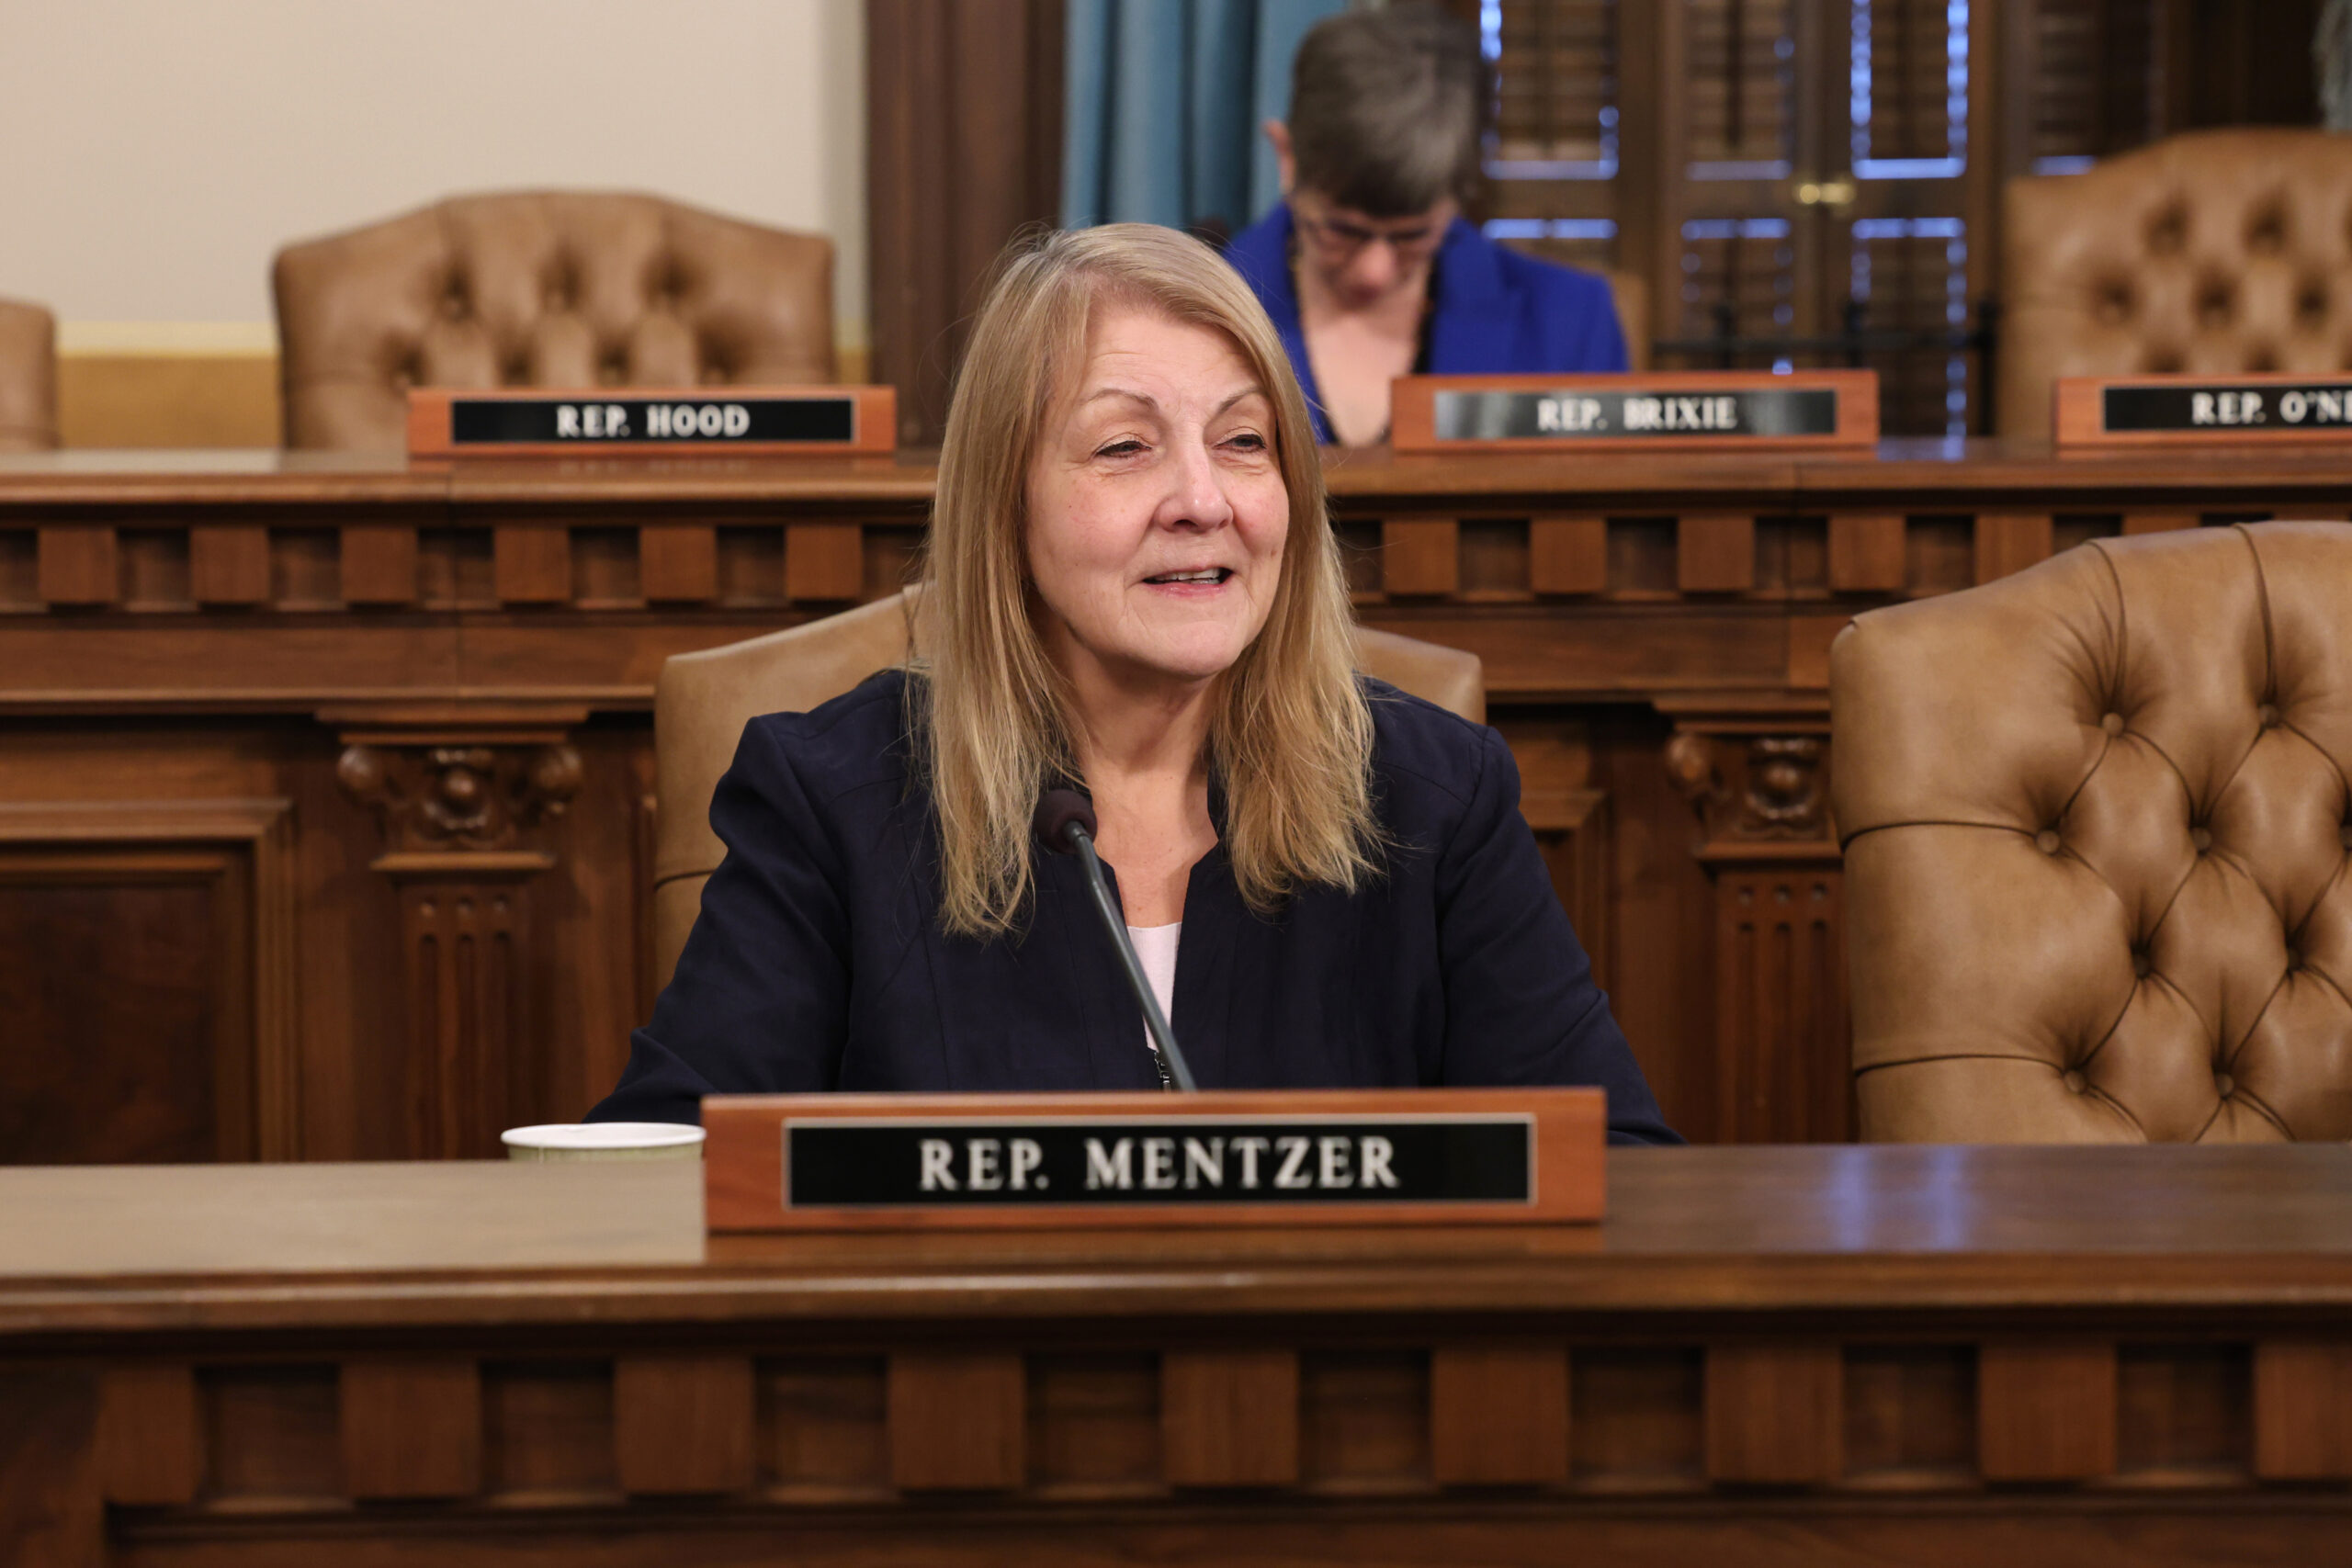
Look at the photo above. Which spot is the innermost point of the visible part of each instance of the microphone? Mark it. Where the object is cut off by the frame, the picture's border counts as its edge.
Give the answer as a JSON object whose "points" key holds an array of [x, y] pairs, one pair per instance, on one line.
{"points": [[1065, 820]]}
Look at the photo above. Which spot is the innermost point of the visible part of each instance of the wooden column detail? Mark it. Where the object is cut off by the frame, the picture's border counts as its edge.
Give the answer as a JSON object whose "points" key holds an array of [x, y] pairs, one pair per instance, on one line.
{"points": [[1568, 555], [1421, 556], [531, 565], [378, 564], [683, 1424], [1715, 552], [150, 1452], [824, 562], [2010, 541], [77, 567], [2302, 1410], [1230, 1418], [229, 565], [460, 806], [1867, 554], [1776, 1414], [2045, 1411], [677, 566], [1758, 781], [412, 1429], [1499, 1416], [957, 1422]]}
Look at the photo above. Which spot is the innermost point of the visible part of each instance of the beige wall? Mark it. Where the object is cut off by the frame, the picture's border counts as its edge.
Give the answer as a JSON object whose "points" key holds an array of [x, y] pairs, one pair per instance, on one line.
{"points": [[160, 151]]}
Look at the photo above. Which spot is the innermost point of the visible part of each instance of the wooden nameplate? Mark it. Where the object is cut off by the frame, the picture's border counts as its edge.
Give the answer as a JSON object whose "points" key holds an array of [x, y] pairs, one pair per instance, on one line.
{"points": [[1739, 411], [2201, 411], [447, 422], [791, 1162]]}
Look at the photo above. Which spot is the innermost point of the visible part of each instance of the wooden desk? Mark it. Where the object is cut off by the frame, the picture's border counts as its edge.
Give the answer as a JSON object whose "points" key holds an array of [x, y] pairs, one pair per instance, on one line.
{"points": [[1768, 1356], [325, 783]]}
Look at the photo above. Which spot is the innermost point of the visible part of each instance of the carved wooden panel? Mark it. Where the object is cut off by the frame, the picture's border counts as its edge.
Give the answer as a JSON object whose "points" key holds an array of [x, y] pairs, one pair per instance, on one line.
{"points": [[1499, 1414], [150, 1433], [958, 1422], [683, 1423], [161, 937], [411, 1428], [1792, 1434]]}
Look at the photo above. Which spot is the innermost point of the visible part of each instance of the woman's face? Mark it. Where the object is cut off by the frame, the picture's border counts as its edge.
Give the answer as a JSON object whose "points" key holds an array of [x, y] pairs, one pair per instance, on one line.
{"points": [[1364, 262], [1156, 507]]}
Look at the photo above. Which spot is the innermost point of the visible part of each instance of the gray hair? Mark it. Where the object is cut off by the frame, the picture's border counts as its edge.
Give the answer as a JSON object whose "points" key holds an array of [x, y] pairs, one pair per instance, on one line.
{"points": [[1388, 108]]}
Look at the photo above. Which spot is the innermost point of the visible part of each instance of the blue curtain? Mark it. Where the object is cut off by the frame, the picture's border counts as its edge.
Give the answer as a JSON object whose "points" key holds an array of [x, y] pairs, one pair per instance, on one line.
{"points": [[1164, 98]]}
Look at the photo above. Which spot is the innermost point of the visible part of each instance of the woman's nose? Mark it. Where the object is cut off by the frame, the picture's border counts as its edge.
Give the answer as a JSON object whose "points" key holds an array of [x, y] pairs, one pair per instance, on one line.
{"points": [[1197, 496], [1375, 270]]}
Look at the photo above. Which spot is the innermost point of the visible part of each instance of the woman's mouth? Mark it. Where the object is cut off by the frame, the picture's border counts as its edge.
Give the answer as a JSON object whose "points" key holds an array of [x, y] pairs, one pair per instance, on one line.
{"points": [[1210, 575]]}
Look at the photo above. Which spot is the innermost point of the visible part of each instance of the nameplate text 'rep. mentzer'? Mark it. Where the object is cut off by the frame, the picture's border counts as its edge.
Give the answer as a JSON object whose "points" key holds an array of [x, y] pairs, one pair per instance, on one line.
{"points": [[832, 1162], [1748, 411], [2218, 410], [446, 423]]}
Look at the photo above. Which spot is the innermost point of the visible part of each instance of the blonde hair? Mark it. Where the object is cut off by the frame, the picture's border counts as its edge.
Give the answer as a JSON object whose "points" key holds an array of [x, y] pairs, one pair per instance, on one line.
{"points": [[1290, 737]]}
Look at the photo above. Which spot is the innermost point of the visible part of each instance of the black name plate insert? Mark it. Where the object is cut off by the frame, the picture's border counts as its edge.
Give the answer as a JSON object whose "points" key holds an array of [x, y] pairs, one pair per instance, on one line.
{"points": [[864, 1163], [497, 421], [1598, 414], [2320, 405]]}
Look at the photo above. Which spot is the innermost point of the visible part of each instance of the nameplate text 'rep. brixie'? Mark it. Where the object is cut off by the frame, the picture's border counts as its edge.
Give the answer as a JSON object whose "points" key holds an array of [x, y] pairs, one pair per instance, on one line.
{"points": [[1724, 409]]}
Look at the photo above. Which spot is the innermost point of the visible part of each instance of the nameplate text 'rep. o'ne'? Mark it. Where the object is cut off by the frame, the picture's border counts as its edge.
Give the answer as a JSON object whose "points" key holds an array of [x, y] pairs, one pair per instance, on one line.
{"points": [[446, 423], [2220, 410], [1740, 410], [840, 1161]]}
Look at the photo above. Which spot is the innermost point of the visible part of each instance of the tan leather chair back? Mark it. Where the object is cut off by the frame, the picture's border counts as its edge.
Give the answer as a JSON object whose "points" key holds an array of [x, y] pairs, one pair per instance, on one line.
{"points": [[541, 288], [28, 378], [2218, 252], [703, 700], [2095, 823]]}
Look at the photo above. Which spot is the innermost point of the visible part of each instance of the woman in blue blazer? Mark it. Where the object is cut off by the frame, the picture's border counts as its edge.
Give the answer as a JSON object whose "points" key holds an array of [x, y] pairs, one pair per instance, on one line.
{"points": [[1366, 265], [1137, 591]]}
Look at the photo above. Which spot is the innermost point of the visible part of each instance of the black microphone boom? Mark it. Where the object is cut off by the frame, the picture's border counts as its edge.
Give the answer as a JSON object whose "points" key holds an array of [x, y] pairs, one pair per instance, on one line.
{"points": [[1065, 820]]}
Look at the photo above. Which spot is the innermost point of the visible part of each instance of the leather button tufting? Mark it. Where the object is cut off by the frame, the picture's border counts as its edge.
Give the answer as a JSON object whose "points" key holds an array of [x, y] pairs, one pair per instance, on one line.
{"points": [[2141, 964], [2076, 1083], [2112, 723], [2202, 837], [2047, 841], [2224, 1085], [2268, 714]]}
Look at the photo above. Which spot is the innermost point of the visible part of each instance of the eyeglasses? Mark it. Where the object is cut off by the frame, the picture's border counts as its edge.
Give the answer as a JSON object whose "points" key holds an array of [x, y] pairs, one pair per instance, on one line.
{"points": [[1338, 240]]}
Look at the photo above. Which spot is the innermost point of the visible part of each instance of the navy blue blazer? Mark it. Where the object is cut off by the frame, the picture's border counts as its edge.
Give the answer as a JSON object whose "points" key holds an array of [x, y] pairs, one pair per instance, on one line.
{"points": [[818, 962], [1497, 311]]}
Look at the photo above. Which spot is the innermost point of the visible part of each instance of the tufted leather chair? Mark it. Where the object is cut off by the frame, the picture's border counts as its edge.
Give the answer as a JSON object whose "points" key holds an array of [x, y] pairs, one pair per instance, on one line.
{"points": [[28, 378], [2095, 821], [703, 700], [2219, 252], [540, 288]]}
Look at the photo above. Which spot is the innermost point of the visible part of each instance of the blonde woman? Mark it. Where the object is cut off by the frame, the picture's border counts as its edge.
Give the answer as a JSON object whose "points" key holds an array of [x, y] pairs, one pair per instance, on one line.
{"points": [[1133, 587]]}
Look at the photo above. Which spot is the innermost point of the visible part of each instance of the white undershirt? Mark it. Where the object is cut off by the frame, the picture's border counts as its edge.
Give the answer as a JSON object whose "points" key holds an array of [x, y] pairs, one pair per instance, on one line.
{"points": [[1155, 945]]}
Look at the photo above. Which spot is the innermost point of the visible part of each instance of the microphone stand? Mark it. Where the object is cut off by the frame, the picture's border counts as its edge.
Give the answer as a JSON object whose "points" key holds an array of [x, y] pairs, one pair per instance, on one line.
{"points": [[1066, 821]]}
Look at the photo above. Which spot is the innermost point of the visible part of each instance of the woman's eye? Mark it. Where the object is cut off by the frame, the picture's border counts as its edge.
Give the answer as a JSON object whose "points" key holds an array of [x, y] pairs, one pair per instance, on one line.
{"points": [[1119, 448], [1248, 440]]}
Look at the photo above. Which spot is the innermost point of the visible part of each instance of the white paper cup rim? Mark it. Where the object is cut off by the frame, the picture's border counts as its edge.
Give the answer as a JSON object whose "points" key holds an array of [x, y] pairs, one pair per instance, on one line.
{"points": [[602, 1135]]}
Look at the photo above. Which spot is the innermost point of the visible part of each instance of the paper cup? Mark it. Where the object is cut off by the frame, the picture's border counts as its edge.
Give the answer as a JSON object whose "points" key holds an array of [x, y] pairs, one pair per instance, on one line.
{"points": [[603, 1140]]}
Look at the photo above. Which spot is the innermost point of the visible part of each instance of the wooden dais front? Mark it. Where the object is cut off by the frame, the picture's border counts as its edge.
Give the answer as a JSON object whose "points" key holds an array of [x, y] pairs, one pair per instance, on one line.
{"points": [[334, 778], [1766, 1356]]}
